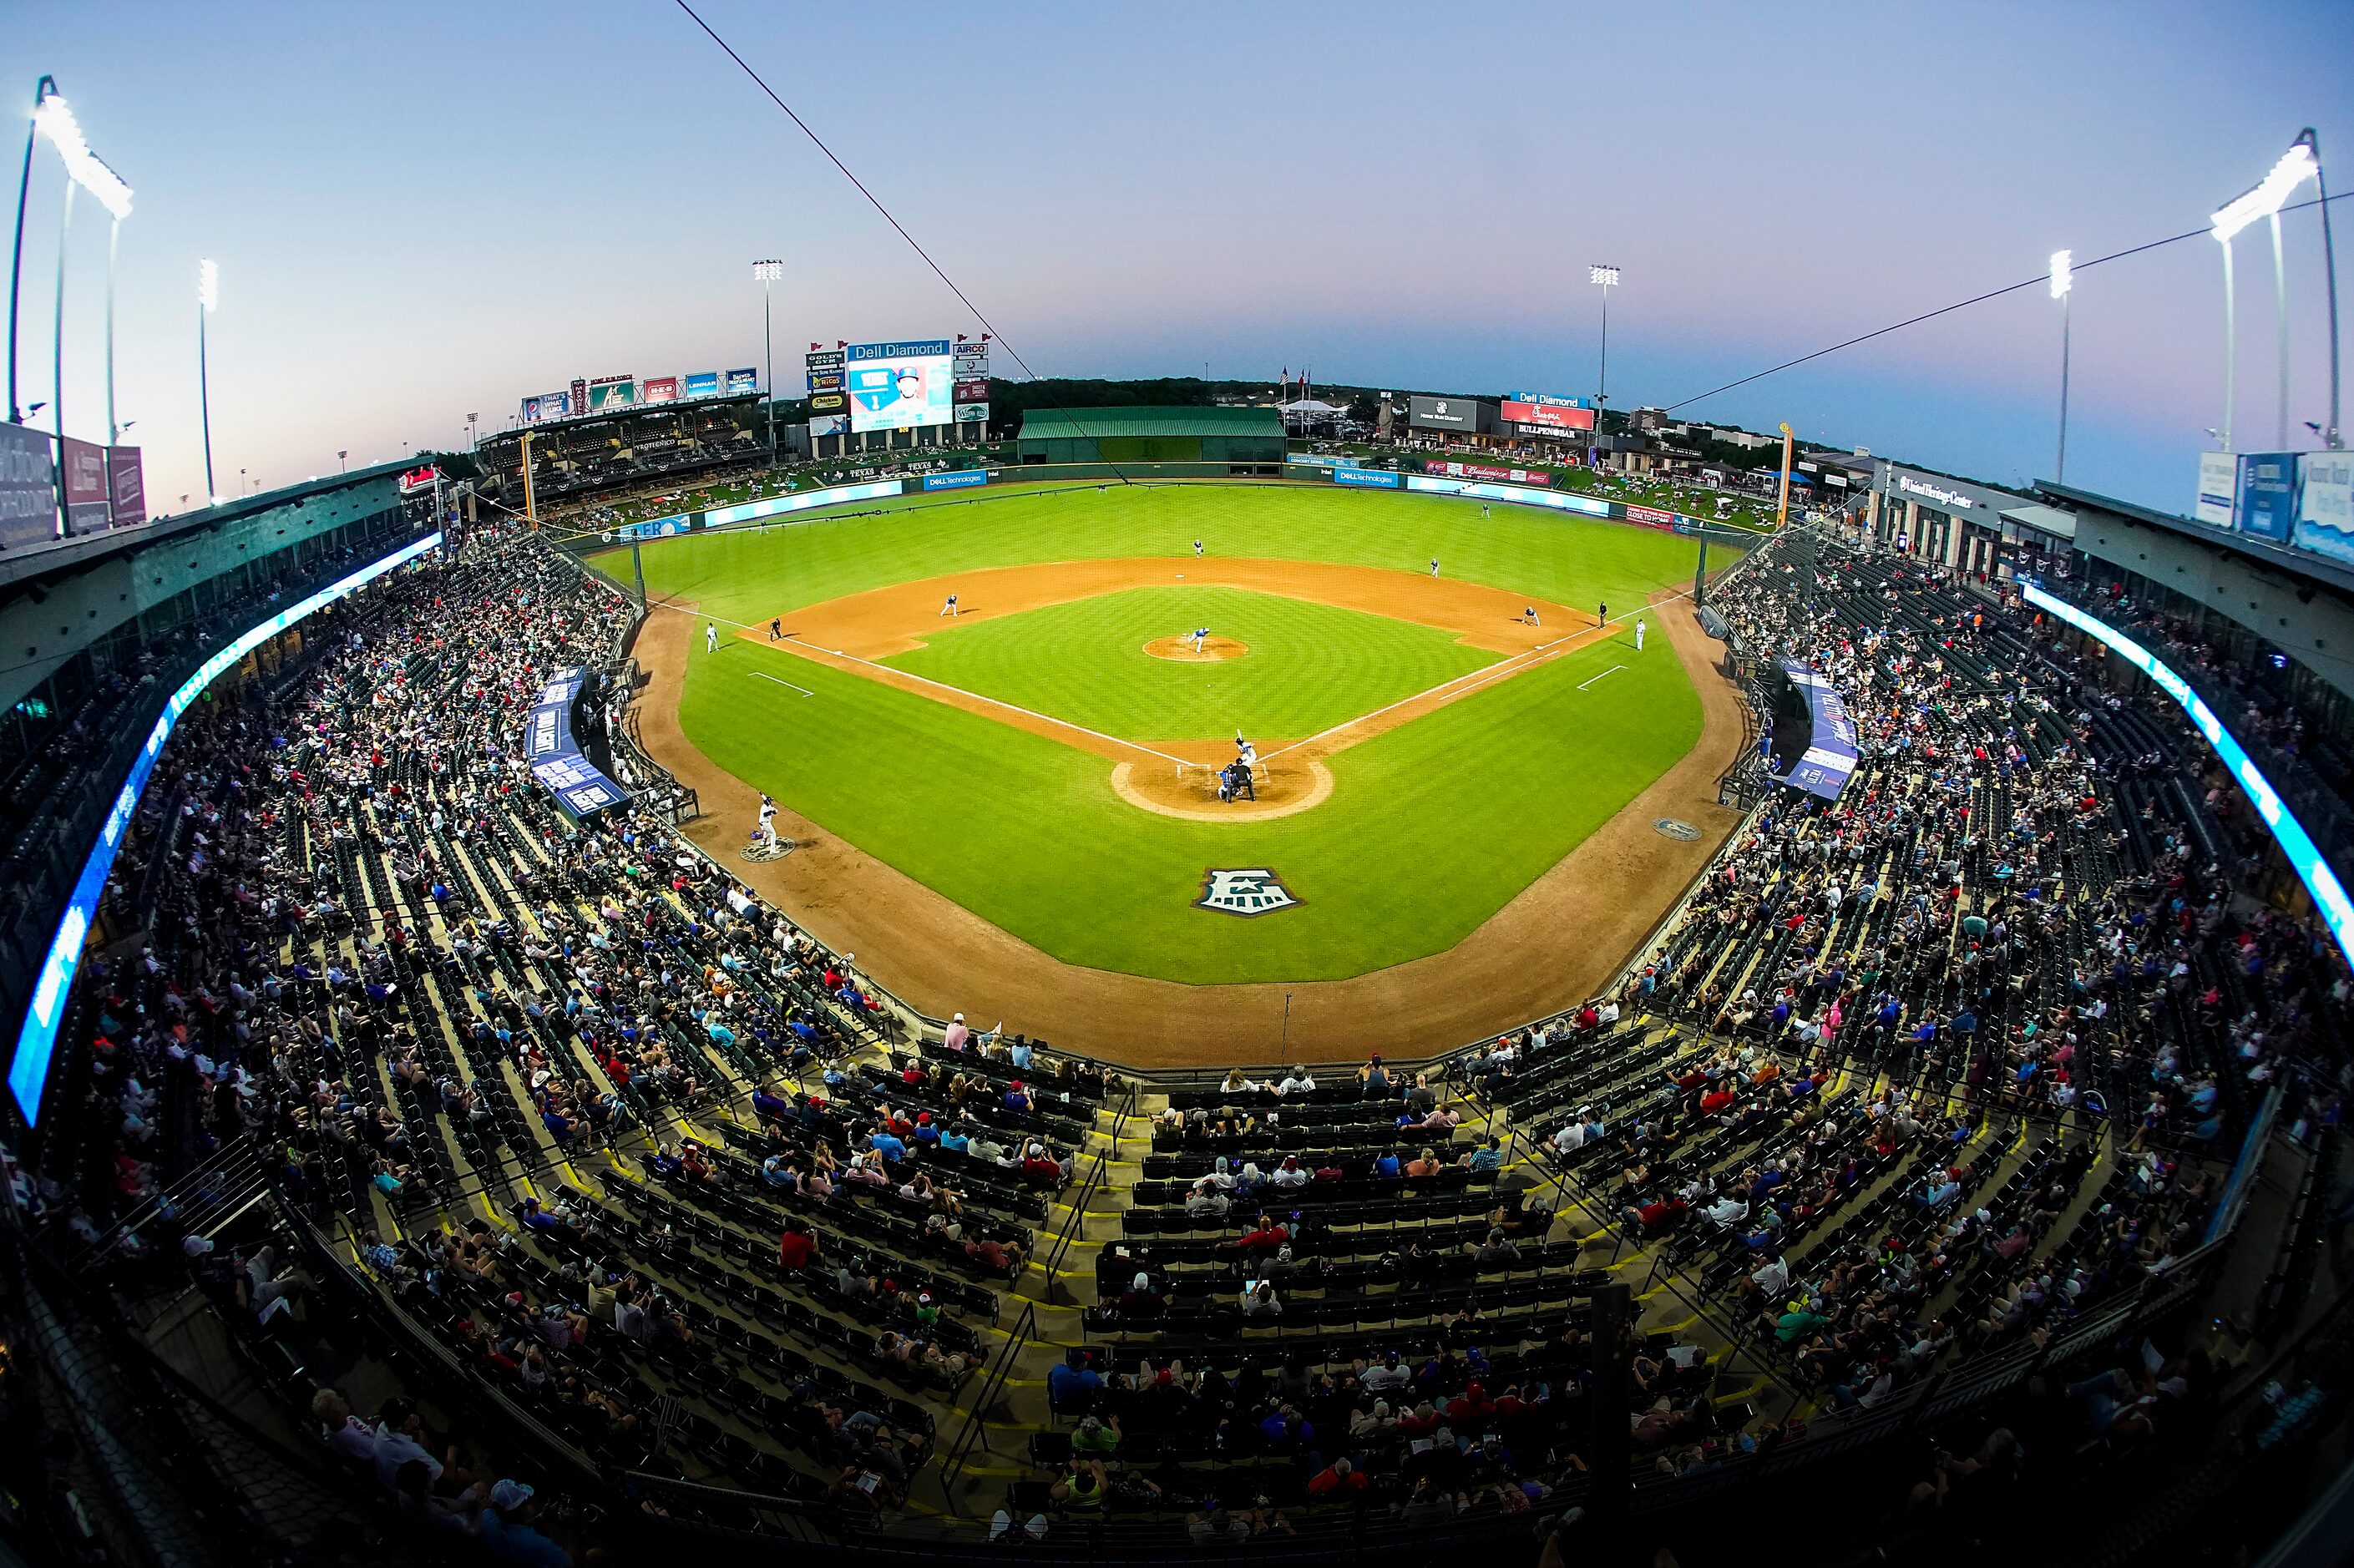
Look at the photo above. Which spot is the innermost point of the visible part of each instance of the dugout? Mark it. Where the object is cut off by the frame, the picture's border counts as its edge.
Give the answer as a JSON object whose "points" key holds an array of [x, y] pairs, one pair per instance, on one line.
{"points": [[1151, 435]]}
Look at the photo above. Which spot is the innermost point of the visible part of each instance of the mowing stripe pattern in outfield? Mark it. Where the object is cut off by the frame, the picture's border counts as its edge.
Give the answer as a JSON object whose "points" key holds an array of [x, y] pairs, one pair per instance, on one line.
{"points": [[1430, 827]]}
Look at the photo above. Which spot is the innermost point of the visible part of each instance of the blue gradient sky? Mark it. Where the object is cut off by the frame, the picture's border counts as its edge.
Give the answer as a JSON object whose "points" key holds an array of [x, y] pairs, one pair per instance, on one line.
{"points": [[428, 210]]}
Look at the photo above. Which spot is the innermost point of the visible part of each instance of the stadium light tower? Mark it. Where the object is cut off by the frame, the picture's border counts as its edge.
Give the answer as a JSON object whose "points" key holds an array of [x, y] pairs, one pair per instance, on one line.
{"points": [[2061, 278], [53, 118], [1606, 279], [207, 296], [766, 273], [41, 91], [2296, 167]]}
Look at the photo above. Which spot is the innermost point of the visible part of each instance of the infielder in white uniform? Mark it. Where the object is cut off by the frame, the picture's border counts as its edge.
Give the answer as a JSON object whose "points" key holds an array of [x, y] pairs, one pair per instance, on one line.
{"points": [[950, 608], [1638, 635], [711, 637]]}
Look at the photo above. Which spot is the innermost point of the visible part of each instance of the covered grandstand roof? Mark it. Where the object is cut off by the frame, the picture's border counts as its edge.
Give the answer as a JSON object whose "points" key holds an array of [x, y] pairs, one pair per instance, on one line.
{"points": [[1098, 424]]}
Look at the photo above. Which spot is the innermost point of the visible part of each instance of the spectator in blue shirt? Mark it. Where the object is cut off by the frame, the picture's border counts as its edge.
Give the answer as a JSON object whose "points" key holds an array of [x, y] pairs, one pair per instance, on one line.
{"points": [[1072, 1382]]}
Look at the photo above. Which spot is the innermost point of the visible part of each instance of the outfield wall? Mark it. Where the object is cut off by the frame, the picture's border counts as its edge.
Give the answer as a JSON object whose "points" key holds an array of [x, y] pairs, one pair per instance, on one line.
{"points": [[1343, 473]]}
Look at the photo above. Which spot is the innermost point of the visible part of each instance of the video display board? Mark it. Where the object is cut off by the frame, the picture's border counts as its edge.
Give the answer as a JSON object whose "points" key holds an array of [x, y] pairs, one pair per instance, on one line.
{"points": [[702, 384], [900, 385], [1544, 409], [743, 381]]}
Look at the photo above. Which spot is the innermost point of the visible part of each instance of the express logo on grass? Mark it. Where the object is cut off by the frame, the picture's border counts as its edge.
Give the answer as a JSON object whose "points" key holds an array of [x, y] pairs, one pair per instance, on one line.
{"points": [[1251, 890]]}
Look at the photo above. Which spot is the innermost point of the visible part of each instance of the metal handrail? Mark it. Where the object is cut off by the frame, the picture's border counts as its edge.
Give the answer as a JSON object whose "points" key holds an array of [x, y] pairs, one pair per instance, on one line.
{"points": [[974, 1432]]}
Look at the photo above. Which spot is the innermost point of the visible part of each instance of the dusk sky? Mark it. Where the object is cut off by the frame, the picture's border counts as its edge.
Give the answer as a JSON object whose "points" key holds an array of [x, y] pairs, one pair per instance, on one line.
{"points": [[427, 209]]}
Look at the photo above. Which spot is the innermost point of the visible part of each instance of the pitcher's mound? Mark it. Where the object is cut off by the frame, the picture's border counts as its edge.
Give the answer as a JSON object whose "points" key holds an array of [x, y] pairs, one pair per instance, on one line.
{"points": [[1181, 650]]}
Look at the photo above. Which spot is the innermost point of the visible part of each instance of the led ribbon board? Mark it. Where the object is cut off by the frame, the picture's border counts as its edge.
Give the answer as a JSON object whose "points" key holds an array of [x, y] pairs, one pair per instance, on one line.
{"points": [[36, 1041], [755, 510], [2303, 854]]}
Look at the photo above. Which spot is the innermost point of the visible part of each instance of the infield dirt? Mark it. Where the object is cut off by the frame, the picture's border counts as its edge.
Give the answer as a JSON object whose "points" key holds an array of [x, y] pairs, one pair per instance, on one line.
{"points": [[1552, 945]]}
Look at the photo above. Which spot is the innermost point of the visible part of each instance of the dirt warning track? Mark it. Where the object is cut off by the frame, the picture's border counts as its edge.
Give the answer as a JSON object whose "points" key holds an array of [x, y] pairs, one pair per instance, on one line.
{"points": [[1553, 945]]}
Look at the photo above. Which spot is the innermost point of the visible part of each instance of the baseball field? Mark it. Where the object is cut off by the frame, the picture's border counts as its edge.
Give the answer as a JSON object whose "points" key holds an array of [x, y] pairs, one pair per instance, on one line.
{"points": [[1047, 759]]}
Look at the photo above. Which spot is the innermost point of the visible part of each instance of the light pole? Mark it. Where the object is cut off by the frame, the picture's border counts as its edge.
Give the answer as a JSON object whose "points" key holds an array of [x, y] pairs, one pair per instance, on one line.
{"points": [[2295, 167], [2060, 280], [42, 90], [2331, 438], [1607, 278], [207, 296], [767, 273], [84, 171], [470, 439], [344, 458]]}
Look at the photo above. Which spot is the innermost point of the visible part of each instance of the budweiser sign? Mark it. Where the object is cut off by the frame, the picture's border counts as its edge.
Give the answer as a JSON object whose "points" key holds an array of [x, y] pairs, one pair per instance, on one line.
{"points": [[1482, 471]]}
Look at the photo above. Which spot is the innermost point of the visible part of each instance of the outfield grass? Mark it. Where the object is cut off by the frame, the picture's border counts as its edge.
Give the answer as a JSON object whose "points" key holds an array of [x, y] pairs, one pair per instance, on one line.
{"points": [[1430, 829], [748, 574], [1309, 666]]}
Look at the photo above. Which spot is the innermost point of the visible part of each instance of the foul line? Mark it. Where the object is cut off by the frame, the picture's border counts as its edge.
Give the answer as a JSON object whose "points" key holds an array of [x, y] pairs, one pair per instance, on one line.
{"points": [[759, 676], [1591, 679], [1496, 672], [1501, 670], [926, 680]]}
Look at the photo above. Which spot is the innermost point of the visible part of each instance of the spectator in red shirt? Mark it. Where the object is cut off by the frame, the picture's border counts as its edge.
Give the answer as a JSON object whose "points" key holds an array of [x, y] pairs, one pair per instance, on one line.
{"points": [[1658, 1214], [1339, 1476], [796, 1249]]}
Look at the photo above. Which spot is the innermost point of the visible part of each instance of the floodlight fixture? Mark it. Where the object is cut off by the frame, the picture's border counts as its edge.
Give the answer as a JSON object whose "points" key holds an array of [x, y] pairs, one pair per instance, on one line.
{"points": [[53, 118], [2061, 276], [2296, 167], [768, 271], [1606, 276], [208, 286]]}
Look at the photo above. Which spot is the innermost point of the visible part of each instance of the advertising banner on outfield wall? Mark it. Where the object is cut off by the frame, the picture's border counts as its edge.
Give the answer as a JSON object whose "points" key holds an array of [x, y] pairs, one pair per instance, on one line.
{"points": [[825, 380], [828, 425], [828, 403], [2325, 505], [822, 359], [973, 391], [1651, 516], [972, 413], [28, 487], [1485, 471], [1366, 478], [86, 491], [743, 381], [126, 483], [971, 364], [962, 478]]}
